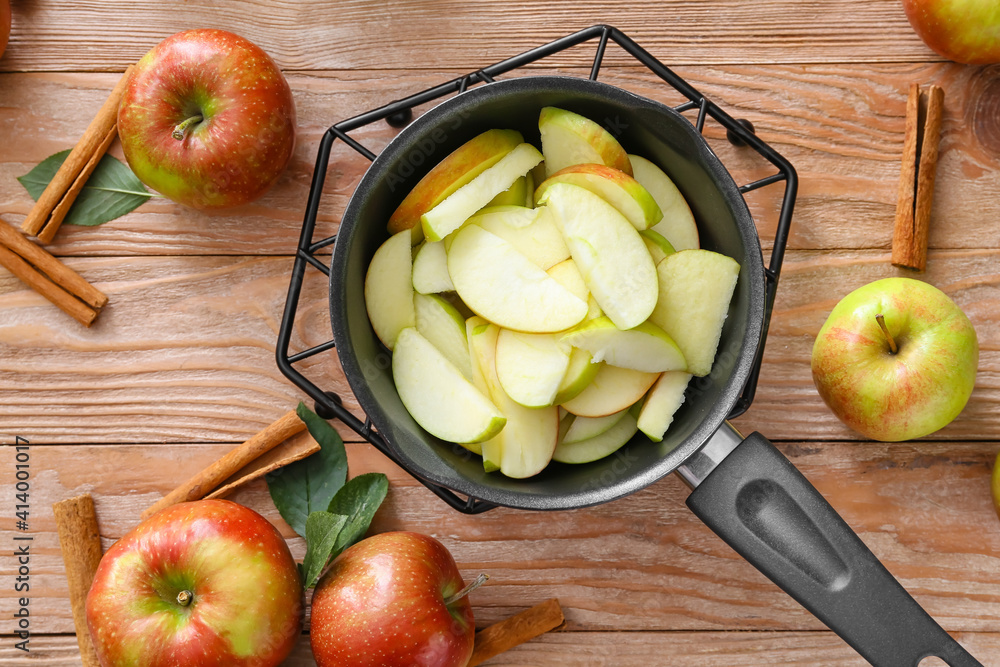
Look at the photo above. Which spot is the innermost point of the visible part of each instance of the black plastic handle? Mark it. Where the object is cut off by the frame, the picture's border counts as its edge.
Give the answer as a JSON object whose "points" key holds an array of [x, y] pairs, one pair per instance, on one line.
{"points": [[763, 507]]}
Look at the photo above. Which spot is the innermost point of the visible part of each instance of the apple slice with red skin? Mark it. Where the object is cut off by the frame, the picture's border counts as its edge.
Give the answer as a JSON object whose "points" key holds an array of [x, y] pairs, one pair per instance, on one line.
{"points": [[569, 138], [614, 186]]}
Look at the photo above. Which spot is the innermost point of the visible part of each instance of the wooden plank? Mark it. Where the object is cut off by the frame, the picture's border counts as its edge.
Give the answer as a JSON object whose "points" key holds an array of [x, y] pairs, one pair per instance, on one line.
{"points": [[640, 563], [185, 350], [607, 649], [841, 126], [403, 34]]}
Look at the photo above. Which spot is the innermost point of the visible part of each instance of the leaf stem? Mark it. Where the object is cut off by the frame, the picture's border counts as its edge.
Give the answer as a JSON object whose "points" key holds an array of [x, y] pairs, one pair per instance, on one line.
{"points": [[476, 583], [880, 318], [181, 129]]}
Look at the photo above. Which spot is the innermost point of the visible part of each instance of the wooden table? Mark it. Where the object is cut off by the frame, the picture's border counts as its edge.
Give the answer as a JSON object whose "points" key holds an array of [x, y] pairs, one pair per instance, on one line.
{"points": [[180, 365]]}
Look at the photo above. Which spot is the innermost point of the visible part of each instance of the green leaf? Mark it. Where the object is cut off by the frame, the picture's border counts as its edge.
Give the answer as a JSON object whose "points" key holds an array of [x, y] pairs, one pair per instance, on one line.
{"points": [[111, 191], [309, 485], [358, 500], [322, 532]]}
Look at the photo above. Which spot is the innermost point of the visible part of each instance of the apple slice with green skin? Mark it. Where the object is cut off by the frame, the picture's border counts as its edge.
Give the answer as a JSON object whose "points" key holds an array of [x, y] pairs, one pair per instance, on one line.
{"points": [[645, 347], [539, 240], [530, 367], [696, 287], [461, 166], [662, 401], [430, 269], [440, 322], [584, 428], [438, 396], [568, 275], [609, 252], [659, 247], [615, 187], [677, 225], [389, 289], [503, 286], [481, 360], [580, 372], [569, 138], [613, 389], [524, 447], [515, 195], [599, 446], [451, 213]]}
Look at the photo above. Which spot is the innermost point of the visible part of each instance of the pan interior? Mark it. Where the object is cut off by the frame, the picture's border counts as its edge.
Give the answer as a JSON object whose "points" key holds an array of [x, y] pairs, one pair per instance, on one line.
{"points": [[643, 127]]}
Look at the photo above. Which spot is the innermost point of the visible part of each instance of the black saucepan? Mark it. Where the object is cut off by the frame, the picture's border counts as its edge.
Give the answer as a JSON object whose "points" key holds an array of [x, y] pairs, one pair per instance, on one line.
{"points": [[744, 489]]}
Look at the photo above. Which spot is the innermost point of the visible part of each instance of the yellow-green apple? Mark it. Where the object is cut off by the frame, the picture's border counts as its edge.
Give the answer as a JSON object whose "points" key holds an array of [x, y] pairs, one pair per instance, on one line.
{"points": [[696, 287], [585, 428], [659, 247], [600, 445], [661, 403], [677, 224], [459, 206], [389, 289], [567, 274], [614, 186], [580, 372], [530, 230], [4, 25], [208, 583], [903, 381], [437, 395], [458, 168], [531, 366], [389, 601], [430, 269], [644, 347], [518, 194], [502, 285], [440, 322], [569, 138], [207, 119], [611, 256], [612, 389], [966, 31]]}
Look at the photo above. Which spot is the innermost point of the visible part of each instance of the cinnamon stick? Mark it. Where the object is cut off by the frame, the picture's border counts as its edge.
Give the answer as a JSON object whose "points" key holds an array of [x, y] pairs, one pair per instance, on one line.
{"points": [[80, 542], [924, 112], [294, 449], [55, 201], [211, 477], [516, 630]]}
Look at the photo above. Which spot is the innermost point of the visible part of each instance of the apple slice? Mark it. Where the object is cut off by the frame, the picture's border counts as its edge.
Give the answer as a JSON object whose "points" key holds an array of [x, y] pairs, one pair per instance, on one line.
{"points": [[389, 289], [599, 446], [430, 269], [539, 240], [695, 289], [569, 138], [458, 168], [662, 402], [645, 347], [531, 366], [609, 252], [580, 372], [437, 395], [524, 447], [568, 275], [502, 285], [449, 215], [677, 224], [516, 195], [659, 247], [615, 187], [613, 389], [440, 322], [584, 428]]}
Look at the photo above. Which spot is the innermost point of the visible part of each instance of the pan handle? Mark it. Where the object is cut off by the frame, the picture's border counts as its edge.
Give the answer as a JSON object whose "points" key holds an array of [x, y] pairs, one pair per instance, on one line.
{"points": [[764, 508]]}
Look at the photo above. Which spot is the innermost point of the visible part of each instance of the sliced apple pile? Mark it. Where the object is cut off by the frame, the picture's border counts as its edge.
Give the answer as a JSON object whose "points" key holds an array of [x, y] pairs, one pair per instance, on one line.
{"points": [[551, 323]]}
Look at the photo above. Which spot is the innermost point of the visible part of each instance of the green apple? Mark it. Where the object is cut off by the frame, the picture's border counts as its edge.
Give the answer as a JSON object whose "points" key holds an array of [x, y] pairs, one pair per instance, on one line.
{"points": [[904, 381], [696, 287], [451, 213], [455, 170], [662, 401], [531, 366], [585, 428], [517, 194], [615, 187], [539, 240], [612, 389], [645, 347], [502, 285], [437, 395], [430, 269], [569, 138], [389, 289], [600, 445], [609, 252], [659, 247], [440, 322], [568, 275], [677, 225], [580, 372]]}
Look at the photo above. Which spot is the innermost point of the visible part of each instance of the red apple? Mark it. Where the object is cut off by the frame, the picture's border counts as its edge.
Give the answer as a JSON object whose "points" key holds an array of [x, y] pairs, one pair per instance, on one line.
{"points": [[4, 24], [966, 31], [207, 119], [382, 604], [208, 583]]}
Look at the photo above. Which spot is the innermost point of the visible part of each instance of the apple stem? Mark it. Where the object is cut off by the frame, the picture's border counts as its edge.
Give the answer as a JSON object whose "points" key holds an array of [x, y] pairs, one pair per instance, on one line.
{"points": [[184, 598], [181, 130], [880, 318], [479, 581]]}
